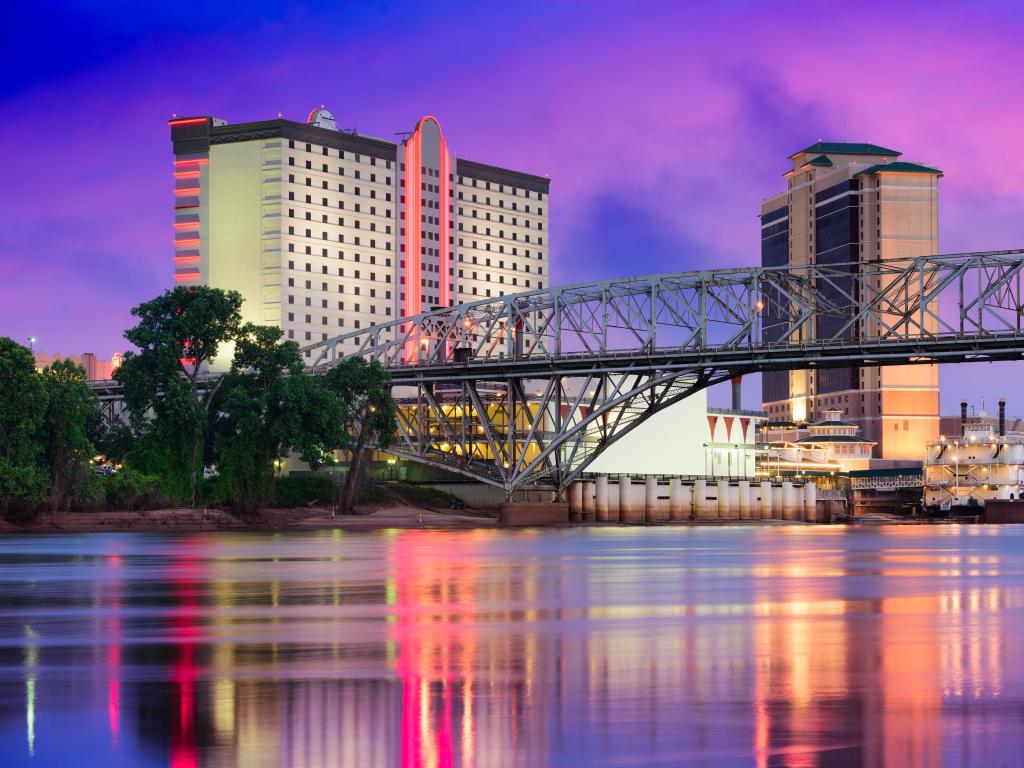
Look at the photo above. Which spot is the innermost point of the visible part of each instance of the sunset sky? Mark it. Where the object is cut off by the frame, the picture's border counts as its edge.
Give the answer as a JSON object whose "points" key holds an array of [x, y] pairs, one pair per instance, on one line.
{"points": [[661, 125]]}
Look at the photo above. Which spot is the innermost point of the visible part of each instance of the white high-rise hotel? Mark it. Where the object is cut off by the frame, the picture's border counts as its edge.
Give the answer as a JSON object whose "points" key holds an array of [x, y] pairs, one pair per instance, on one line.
{"points": [[324, 231]]}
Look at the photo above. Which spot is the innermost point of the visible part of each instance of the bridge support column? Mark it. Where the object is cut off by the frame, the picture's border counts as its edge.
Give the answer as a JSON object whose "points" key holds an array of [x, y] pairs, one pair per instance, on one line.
{"points": [[601, 498], [726, 511], [790, 509], [576, 501], [588, 501], [810, 502], [686, 494], [744, 505], [626, 505], [702, 508], [652, 507], [766, 499], [675, 499]]}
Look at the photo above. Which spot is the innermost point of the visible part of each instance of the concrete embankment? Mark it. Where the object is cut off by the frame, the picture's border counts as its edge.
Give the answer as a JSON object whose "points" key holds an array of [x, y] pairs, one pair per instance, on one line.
{"points": [[654, 500]]}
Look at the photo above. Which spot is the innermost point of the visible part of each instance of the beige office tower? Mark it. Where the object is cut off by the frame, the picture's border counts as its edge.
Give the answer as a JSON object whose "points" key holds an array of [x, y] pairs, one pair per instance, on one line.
{"points": [[849, 204], [325, 231]]}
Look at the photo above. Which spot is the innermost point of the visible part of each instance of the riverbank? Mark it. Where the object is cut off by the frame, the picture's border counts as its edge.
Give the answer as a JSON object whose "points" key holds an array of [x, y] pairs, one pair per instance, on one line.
{"points": [[296, 518]]}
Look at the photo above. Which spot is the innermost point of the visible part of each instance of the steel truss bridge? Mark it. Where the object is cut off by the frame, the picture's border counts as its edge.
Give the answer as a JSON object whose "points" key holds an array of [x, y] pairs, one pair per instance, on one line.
{"points": [[528, 388]]}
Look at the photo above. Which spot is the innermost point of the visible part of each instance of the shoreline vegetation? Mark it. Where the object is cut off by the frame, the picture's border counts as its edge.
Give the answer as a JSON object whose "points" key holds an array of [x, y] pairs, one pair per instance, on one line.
{"points": [[216, 413]]}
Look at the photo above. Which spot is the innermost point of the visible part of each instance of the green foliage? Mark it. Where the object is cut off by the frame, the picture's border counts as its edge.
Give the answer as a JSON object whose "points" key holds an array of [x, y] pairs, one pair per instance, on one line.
{"points": [[66, 448], [22, 490], [23, 482], [266, 407], [178, 334], [130, 489], [365, 389], [303, 490], [114, 442]]}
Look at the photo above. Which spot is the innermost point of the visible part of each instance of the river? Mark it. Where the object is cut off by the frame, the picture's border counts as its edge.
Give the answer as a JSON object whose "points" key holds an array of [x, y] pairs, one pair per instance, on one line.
{"points": [[731, 646]]}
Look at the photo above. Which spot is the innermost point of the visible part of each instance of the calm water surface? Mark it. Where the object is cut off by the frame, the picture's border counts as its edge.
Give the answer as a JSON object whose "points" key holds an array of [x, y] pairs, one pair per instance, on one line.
{"points": [[790, 646]]}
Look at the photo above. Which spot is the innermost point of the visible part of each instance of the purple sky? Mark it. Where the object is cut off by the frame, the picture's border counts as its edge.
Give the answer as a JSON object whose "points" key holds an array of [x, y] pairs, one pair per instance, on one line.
{"points": [[661, 125]]}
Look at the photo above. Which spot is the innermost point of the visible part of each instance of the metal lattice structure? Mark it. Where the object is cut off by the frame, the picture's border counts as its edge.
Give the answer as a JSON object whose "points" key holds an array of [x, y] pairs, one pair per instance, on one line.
{"points": [[528, 388]]}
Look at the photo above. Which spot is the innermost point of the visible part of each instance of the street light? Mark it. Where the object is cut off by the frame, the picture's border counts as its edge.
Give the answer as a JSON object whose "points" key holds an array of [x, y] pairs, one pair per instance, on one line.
{"points": [[32, 343]]}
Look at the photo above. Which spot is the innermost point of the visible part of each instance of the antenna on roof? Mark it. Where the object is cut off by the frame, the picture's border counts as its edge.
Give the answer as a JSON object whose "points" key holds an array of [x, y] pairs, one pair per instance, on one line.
{"points": [[404, 134]]}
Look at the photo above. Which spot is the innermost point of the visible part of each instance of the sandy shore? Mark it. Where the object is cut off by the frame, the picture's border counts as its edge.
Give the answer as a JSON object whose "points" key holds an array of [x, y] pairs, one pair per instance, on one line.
{"points": [[299, 518]]}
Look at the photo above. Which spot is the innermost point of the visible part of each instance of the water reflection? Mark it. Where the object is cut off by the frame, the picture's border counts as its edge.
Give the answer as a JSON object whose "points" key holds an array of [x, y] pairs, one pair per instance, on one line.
{"points": [[764, 647]]}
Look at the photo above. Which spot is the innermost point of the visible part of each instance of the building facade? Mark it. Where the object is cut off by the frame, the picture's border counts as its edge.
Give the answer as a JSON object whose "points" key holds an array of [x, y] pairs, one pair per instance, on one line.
{"points": [[687, 439], [830, 445], [96, 369], [849, 204], [324, 231]]}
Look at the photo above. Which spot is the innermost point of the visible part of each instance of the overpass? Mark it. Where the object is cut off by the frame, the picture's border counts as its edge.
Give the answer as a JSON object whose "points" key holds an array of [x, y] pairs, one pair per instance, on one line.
{"points": [[527, 388]]}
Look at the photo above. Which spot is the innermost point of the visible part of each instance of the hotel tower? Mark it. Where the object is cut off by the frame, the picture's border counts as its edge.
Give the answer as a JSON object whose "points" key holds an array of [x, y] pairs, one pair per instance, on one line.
{"points": [[849, 204], [325, 231]]}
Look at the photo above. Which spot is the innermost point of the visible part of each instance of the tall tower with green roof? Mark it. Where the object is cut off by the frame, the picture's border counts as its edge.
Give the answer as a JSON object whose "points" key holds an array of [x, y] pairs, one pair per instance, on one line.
{"points": [[848, 204]]}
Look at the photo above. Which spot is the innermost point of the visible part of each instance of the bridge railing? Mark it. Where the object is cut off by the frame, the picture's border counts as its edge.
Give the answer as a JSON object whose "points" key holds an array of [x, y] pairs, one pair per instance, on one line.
{"points": [[762, 308]]}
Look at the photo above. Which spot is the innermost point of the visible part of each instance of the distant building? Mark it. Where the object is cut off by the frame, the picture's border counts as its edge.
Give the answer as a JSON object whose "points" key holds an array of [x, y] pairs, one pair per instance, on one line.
{"points": [[980, 461], [831, 445], [687, 439], [847, 204], [325, 231], [95, 368]]}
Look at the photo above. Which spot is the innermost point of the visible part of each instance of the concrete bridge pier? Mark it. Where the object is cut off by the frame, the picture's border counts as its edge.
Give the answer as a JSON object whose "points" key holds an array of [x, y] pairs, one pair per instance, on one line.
{"points": [[653, 512], [675, 499], [766, 500], [576, 501], [626, 505], [790, 507], [601, 498], [589, 505], [810, 503], [726, 511], [744, 504], [702, 508]]}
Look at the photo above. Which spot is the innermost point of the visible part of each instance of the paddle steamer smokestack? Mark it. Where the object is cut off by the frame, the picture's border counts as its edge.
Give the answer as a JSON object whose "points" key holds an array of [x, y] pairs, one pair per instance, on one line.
{"points": [[963, 416], [736, 399], [1002, 417]]}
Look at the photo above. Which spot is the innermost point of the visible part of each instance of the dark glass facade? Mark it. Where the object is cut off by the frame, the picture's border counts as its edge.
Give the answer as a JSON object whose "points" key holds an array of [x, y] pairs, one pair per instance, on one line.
{"points": [[837, 241], [774, 253]]}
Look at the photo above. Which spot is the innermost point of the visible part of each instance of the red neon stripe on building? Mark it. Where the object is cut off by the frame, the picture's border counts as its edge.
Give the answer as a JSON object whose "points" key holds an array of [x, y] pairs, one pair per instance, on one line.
{"points": [[445, 161], [197, 161], [186, 275], [412, 235], [186, 225], [187, 174], [189, 121], [185, 259], [190, 241], [187, 191]]}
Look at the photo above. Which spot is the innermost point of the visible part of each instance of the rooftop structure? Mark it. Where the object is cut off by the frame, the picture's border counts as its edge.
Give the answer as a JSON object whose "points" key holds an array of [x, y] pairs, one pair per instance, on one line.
{"points": [[846, 205]]}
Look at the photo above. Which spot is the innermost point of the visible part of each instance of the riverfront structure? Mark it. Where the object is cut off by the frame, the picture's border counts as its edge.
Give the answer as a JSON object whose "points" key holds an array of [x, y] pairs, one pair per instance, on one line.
{"points": [[325, 231], [980, 462], [854, 204], [830, 445]]}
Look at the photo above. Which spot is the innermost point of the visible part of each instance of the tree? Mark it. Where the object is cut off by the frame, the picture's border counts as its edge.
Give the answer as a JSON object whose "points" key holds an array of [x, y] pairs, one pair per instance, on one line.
{"points": [[69, 405], [22, 407], [178, 335], [267, 407], [365, 389]]}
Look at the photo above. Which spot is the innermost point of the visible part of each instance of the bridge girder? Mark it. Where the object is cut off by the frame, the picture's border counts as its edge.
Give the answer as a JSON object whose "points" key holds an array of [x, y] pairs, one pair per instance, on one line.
{"points": [[574, 368]]}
